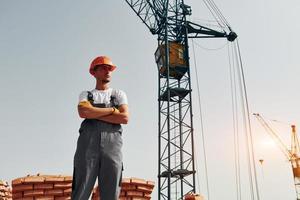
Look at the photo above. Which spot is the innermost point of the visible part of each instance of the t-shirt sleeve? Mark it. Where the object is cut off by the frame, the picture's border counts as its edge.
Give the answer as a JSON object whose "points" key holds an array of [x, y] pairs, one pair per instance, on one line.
{"points": [[121, 97], [83, 96]]}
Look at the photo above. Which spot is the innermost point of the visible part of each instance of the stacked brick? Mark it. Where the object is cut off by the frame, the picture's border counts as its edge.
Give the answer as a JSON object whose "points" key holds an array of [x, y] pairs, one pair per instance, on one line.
{"points": [[131, 189], [193, 197], [5, 191], [42, 187]]}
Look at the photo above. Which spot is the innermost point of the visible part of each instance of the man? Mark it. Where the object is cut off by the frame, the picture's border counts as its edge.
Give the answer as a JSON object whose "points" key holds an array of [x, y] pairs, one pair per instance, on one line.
{"points": [[98, 152]]}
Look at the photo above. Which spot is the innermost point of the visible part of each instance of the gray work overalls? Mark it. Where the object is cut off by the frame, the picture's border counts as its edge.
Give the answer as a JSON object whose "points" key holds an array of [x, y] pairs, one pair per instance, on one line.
{"points": [[98, 154]]}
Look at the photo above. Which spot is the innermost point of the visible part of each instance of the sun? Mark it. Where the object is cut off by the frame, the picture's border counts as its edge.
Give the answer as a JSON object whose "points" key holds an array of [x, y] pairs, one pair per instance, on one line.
{"points": [[268, 143]]}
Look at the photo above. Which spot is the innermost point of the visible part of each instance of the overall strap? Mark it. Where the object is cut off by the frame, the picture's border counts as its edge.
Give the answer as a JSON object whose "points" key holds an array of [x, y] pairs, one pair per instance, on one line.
{"points": [[90, 97], [113, 99]]}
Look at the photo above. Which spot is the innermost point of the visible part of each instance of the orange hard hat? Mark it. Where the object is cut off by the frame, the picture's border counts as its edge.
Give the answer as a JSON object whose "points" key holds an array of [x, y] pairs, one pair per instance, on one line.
{"points": [[101, 60]]}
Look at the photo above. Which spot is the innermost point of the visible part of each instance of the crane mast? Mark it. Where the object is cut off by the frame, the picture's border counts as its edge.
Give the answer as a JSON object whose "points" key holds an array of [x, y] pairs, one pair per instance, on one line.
{"points": [[167, 20], [292, 155]]}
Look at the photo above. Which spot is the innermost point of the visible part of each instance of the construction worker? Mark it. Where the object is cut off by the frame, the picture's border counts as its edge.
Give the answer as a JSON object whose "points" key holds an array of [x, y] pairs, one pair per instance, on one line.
{"points": [[98, 152]]}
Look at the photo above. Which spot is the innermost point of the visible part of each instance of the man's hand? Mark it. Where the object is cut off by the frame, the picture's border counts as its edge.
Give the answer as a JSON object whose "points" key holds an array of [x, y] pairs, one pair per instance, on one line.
{"points": [[119, 116], [115, 111]]}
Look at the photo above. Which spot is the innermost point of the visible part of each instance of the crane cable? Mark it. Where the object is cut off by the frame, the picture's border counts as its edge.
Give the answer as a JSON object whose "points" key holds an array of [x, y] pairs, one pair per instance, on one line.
{"points": [[248, 151], [216, 13], [210, 10], [211, 49], [235, 123], [202, 127], [236, 69], [273, 133], [244, 102], [276, 121], [207, 22], [247, 124]]}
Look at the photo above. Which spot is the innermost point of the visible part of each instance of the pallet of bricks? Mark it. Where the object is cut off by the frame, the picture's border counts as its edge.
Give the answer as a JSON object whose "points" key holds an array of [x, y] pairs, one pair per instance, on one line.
{"points": [[5, 191], [42, 187], [193, 197], [131, 189]]}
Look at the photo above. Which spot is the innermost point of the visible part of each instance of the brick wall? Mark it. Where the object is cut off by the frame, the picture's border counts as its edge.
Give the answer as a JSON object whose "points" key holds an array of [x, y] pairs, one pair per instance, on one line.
{"points": [[5, 191], [131, 189], [42, 187]]}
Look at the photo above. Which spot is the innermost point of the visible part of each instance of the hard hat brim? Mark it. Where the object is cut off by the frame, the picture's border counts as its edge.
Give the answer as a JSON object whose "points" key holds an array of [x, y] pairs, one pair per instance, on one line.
{"points": [[113, 67]]}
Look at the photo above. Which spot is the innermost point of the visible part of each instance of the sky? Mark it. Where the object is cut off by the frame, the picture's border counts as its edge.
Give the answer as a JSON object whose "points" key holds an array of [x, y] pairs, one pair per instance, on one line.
{"points": [[45, 51]]}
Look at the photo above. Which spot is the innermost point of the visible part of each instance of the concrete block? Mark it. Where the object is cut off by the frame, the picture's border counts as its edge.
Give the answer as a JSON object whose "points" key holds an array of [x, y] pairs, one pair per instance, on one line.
{"points": [[34, 179], [43, 186], [17, 181], [67, 191], [22, 187], [134, 194], [63, 198], [138, 181], [55, 192], [32, 193], [54, 179], [63, 185], [144, 189], [17, 195], [45, 198]]}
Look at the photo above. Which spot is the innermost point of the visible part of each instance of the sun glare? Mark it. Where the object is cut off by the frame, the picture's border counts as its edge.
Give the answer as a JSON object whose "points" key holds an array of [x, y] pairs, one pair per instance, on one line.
{"points": [[268, 143]]}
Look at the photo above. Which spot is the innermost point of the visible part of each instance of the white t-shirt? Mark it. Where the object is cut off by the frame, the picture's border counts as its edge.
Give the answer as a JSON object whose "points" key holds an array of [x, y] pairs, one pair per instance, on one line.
{"points": [[104, 96]]}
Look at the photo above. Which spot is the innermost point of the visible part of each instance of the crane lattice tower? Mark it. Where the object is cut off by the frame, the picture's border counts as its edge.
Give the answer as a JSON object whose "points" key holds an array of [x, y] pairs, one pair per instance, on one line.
{"points": [[168, 20]]}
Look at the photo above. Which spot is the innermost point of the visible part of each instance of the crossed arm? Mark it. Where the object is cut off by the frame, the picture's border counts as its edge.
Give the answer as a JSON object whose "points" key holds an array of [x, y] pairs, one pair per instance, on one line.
{"points": [[111, 115]]}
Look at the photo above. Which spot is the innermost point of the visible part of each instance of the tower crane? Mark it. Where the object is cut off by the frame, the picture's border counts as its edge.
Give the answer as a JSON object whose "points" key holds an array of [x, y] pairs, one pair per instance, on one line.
{"points": [[292, 153], [168, 20]]}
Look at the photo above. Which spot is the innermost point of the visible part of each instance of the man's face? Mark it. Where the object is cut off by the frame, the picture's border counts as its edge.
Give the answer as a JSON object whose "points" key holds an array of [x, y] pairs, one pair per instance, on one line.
{"points": [[103, 73]]}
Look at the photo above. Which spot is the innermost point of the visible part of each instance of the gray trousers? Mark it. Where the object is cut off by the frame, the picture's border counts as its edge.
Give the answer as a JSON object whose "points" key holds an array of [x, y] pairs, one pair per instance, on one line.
{"points": [[98, 154]]}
